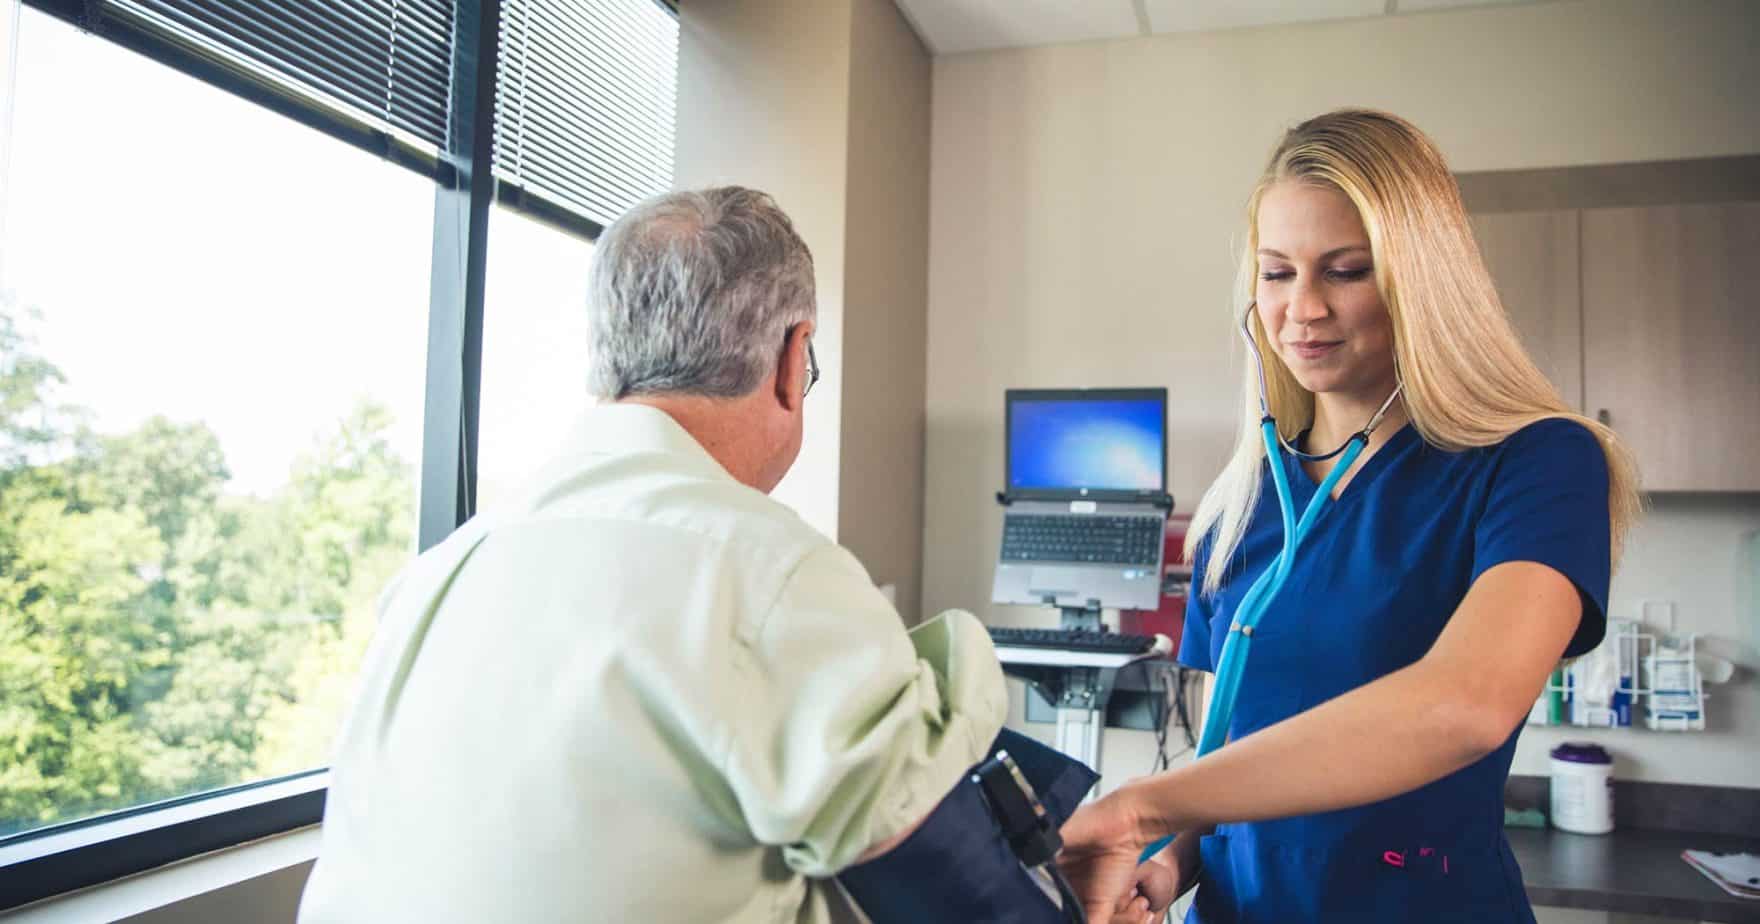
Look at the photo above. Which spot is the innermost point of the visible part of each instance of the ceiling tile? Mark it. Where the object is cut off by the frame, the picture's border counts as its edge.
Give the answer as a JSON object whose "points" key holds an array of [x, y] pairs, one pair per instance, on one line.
{"points": [[1202, 15], [951, 26]]}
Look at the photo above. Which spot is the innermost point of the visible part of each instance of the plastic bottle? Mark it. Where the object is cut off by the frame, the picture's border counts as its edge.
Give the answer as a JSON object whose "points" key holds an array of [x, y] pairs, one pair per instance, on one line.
{"points": [[1582, 788]]}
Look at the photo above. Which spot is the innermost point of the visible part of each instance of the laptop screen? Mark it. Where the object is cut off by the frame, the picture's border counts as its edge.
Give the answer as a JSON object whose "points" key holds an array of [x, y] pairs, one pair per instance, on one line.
{"points": [[1111, 440]]}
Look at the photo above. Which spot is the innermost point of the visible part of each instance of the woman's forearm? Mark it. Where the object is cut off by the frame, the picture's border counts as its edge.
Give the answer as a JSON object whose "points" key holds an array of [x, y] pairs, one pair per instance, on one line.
{"points": [[1412, 727], [1383, 739]]}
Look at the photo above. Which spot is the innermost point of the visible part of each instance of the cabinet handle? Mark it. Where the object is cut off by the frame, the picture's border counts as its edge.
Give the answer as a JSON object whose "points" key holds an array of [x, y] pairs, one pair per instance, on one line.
{"points": [[1604, 417]]}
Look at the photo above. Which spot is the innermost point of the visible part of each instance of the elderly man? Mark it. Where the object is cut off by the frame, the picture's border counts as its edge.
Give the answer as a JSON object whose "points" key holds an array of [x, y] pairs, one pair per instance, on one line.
{"points": [[649, 692]]}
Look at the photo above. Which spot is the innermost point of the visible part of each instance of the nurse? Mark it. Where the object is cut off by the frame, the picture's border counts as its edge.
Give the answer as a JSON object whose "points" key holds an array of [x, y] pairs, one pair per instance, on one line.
{"points": [[1465, 553]]}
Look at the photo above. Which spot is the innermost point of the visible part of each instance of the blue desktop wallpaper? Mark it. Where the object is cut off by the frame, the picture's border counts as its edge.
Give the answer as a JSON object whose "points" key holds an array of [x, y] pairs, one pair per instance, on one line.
{"points": [[1115, 445]]}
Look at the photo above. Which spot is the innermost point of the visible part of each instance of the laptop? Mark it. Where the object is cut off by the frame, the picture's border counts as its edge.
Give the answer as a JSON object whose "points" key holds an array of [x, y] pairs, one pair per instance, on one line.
{"points": [[1086, 502]]}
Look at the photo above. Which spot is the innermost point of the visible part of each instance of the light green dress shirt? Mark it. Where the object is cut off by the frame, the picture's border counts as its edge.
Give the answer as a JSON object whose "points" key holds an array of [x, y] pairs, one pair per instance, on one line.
{"points": [[646, 693]]}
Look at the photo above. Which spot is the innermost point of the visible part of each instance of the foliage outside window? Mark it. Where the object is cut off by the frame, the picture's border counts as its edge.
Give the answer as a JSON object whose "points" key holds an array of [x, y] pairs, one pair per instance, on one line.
{"points": [[211, 377]]}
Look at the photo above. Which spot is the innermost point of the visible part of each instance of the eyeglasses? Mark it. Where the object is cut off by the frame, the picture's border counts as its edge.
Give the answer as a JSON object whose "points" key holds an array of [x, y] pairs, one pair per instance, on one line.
{"points": [[812, 369]]}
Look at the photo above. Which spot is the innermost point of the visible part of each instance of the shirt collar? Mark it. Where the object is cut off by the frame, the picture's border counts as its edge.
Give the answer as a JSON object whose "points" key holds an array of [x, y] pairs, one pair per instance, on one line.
{"points": [[633, 429]]}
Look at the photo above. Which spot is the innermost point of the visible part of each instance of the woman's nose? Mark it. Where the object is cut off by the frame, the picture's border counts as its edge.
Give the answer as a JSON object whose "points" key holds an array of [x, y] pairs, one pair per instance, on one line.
{"points": [[1306, 305]]}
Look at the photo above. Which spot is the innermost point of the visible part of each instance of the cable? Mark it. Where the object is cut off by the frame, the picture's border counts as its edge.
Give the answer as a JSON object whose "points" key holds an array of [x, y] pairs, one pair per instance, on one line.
{"points": [[1182, 705], [8, 97], [464, 466], [1181, 709], [1160, 717]]}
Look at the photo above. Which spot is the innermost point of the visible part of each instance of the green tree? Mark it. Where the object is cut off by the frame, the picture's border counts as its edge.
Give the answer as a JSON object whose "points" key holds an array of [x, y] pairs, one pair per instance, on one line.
{"points": [[28, 412], [159, 636], [172, 473], [82, 642], [353, 508]]}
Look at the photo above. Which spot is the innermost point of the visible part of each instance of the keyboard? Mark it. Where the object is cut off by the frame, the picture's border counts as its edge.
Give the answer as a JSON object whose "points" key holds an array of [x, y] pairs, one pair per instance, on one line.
{"points": [[1080, 538], [1073, 640]]}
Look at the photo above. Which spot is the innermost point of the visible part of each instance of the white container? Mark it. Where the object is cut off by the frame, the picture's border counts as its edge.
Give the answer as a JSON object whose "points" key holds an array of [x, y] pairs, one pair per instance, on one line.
{"points": [[1582, 788]]}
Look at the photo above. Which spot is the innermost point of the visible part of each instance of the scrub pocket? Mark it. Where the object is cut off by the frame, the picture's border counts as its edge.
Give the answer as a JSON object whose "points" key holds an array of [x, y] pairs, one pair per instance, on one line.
{"points": [[1248, 880], [1213, 903]]}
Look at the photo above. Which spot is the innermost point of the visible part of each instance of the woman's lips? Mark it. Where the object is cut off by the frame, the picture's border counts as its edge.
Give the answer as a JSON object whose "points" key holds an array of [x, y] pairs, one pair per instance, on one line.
{"points": [[1314, 349]]}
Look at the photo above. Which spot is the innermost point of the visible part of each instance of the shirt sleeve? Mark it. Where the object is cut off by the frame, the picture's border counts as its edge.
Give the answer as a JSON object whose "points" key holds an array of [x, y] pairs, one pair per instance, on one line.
{"points": [[1194, 640], [1548, 504], [851, 729]]}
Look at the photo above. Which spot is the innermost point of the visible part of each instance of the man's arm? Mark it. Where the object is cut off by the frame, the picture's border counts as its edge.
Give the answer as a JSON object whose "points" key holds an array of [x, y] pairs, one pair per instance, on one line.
{"points": [[882, 848], [851, 730]]}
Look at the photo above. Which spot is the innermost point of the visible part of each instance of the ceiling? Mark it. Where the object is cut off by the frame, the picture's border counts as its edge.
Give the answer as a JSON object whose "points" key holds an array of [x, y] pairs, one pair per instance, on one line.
{"points": [[952, 26]]}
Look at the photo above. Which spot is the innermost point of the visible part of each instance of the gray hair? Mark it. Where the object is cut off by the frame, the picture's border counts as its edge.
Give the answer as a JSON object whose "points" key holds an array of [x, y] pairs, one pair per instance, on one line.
{"points": [[694, 293]]}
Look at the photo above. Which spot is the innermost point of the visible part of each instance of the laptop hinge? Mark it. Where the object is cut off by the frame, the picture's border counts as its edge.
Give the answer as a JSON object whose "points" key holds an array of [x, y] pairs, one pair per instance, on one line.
{"points": [[1163, 500], [1083, 617]]}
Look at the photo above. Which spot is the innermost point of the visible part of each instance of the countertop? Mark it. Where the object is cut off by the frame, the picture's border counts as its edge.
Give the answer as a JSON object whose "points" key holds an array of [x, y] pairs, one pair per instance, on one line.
{"points": [[1632, 871]]}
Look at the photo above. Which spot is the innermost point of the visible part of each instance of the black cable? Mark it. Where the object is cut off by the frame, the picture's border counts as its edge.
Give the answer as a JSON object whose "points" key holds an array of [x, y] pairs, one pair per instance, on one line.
{"points": [[1181, 710], [1159, 717], [1182, 704]]}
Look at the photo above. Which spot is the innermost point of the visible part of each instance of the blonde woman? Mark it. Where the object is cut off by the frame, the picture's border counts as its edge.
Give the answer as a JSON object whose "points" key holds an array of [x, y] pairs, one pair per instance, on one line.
{"points": [[1466, 550]]}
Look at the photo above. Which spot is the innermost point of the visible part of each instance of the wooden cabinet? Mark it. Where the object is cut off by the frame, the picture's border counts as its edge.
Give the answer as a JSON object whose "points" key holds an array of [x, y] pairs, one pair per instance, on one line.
{"points": [[1648, 319], [1671, 339], [1532, 257]]}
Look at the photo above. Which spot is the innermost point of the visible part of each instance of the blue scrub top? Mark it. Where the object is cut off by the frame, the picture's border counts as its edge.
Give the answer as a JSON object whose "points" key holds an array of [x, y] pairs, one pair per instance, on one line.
{"points": [[1373, 585]]}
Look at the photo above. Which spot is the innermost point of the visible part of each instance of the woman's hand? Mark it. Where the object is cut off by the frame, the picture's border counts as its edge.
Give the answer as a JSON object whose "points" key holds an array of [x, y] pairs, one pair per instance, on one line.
{"points": [[1183, 854], [1154, 891], [1101, 843], [1165, 877]]}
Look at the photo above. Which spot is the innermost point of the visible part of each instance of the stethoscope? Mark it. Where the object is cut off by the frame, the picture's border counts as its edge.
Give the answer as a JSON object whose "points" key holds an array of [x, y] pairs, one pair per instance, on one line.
{"points": [[1258, 597]]}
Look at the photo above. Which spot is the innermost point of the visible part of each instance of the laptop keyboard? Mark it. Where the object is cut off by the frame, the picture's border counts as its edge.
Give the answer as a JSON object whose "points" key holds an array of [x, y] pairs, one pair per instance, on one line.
{"points": [[1072, 640], [1081, 538]]}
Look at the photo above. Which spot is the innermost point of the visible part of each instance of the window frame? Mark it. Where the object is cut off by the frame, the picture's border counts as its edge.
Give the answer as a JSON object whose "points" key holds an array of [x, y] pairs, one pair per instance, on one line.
{"points": [[46, 862]]}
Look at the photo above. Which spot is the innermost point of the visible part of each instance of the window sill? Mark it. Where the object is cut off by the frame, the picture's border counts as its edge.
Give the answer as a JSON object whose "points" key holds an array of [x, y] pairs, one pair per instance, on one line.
{"points": [[168, 885], [59, 866]]}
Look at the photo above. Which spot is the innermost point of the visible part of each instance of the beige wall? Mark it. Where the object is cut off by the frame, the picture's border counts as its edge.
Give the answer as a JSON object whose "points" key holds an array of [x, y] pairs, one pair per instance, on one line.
{"points": [[825, 105], [269, 899], [767, 106], [1086, 203], [880, 509]]}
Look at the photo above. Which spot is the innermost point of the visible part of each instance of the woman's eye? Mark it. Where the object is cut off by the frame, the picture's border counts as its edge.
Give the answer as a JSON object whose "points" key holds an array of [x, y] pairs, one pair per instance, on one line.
{"points": [[1351, 275], [1275, 275]]}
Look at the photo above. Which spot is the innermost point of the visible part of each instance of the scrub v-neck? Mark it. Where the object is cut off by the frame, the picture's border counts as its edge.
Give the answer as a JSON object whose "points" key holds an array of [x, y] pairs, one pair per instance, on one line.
{"points": [[1302, 485]]}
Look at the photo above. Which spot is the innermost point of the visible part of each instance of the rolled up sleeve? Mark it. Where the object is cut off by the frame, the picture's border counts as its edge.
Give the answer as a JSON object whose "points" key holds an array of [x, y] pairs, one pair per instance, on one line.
{"points": [[1548, 504], [850, 729]]}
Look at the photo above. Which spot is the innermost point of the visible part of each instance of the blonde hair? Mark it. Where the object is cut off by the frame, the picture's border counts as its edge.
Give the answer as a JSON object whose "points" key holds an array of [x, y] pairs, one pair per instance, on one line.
{"points": [[1468, 381]]}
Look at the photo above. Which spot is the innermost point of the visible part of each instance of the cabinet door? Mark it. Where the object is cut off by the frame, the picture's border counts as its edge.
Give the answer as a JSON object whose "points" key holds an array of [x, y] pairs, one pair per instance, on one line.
{"points": [[1671, 335], [1532, 257]]}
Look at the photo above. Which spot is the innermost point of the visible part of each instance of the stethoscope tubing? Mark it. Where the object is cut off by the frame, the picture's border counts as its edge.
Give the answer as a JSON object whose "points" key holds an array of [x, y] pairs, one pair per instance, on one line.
{"points": [[1232, 664]]}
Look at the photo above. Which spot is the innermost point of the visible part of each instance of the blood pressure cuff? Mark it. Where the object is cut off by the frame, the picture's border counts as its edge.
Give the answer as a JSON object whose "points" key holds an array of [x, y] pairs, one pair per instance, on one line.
{"points": [[957, 865]]}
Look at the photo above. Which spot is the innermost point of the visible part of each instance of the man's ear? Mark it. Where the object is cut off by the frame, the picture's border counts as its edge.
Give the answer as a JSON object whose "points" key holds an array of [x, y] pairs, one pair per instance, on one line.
{"points": [[791, 371]]}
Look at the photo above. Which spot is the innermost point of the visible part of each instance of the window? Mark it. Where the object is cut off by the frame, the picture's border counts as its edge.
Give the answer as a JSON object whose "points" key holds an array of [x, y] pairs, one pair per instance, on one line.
{"points": [[212, 357], [535, 349]]}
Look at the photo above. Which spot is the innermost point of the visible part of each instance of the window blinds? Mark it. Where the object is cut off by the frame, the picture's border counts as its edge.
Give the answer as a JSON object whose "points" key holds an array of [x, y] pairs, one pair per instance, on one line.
{"points": [[584, 105]]}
